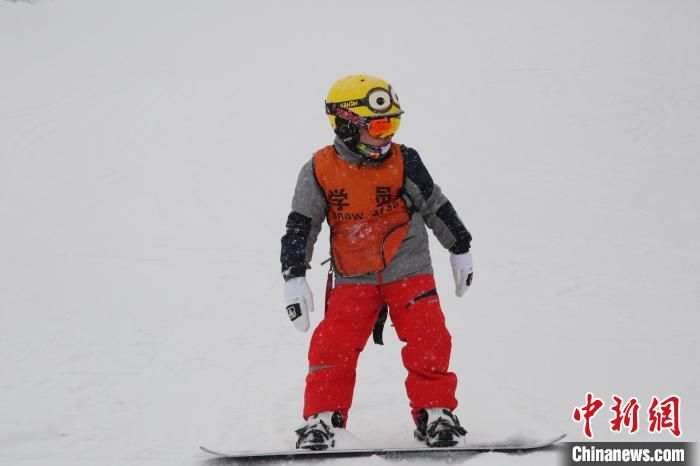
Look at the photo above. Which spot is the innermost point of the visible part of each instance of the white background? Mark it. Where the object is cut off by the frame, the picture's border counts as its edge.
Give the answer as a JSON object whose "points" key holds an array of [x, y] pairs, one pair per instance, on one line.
{"points": [[148, 154]]}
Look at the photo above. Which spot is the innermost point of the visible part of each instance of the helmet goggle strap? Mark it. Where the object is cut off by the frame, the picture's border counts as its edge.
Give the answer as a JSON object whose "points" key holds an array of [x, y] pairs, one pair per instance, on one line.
{"points": [[345, 114], [377, 127]]}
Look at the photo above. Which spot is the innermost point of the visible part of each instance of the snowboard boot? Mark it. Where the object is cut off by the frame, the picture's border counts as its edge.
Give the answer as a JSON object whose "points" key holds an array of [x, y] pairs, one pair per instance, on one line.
{"points": [[438, 427], [317, 432]]}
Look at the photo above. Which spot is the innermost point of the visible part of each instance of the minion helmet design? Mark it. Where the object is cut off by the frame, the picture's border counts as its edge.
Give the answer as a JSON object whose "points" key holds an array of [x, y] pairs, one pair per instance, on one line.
{"points": [[353, 102]]}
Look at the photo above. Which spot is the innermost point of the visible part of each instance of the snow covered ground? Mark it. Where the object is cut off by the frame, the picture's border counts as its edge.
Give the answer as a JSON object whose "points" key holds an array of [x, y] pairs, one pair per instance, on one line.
{"points": [[148, 152]]}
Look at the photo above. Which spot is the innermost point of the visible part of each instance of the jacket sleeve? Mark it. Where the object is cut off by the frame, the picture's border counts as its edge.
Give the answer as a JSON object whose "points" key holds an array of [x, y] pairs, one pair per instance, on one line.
{"points": [[303, 224], [426, 198]]}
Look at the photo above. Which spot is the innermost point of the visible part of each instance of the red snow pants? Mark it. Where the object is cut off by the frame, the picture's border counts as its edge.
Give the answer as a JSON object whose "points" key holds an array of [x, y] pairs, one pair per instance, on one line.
{"points": [[414, 309]]}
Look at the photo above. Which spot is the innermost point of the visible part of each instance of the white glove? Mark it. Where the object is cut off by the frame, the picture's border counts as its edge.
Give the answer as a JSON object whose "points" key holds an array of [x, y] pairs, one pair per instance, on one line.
{"points": [[463, 272], [299, 301]]}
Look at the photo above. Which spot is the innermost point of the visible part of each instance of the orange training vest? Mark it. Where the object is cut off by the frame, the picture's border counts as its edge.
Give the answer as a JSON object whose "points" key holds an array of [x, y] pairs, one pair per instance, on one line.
{"points": [[366, 214]]}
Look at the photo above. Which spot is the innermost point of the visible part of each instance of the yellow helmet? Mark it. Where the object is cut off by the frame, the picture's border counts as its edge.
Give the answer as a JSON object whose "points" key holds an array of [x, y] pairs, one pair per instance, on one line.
{"points": [[366, 96], [358, 99]]}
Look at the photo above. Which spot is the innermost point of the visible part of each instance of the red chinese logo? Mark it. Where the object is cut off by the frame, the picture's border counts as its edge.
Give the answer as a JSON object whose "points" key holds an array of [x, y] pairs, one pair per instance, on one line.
{"points": [[586, 413], [665, 415], [627, 416]]}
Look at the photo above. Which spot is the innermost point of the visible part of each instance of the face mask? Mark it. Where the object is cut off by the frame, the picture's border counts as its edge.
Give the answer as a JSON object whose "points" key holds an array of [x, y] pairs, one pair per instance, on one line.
{"points": [[373, 152]]}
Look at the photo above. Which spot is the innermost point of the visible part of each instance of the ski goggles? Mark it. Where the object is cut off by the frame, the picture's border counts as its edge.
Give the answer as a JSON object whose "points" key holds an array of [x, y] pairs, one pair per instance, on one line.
{"points": [[380, 127], [383, 126]]}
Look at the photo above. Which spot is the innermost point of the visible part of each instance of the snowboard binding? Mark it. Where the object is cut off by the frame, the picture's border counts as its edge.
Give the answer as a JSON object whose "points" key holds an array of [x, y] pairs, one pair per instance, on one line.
{"points": [[438, 427], [318, 433]]}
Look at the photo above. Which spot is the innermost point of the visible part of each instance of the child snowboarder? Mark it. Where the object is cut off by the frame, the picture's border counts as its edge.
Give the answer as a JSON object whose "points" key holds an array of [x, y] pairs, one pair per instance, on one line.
{"points": [[377, 197]]}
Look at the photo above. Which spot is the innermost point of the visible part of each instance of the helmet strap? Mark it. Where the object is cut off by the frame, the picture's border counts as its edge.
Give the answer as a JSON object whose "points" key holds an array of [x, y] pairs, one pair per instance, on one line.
{"points": [[347, 124], [347, 132]]}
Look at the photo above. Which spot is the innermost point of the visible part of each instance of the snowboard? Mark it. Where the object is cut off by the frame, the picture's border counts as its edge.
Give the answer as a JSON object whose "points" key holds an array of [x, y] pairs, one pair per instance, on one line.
{"points": [[386, 452]]}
